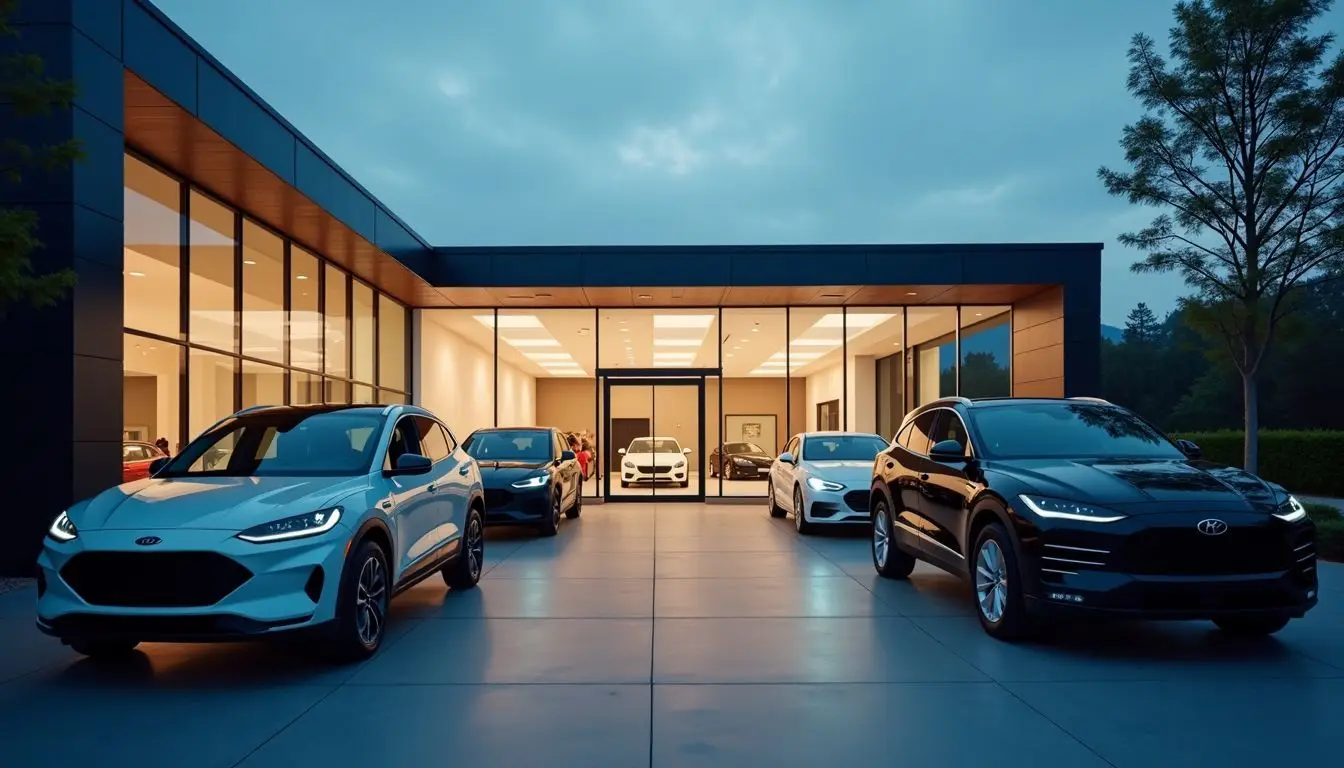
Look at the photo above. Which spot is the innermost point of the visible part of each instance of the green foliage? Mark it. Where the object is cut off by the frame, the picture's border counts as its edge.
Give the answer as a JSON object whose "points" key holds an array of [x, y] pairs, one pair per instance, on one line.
{"points": [[1141, 327], [1306, 462], [1241, 149], [27, 92], [1329, 531]]}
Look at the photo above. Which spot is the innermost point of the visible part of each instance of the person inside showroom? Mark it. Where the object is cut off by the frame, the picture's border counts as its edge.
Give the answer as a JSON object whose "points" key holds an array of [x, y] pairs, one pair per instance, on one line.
{"points": [[580, 453]]}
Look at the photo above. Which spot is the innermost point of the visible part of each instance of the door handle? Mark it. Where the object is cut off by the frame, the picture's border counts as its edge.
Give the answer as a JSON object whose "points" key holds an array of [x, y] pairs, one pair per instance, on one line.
{"points": [[464, 470], [890, 465], [923, 476], [433, 487]]}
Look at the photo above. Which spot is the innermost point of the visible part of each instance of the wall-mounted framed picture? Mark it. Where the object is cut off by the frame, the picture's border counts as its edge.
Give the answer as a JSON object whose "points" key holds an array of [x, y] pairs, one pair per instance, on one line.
{"points": [[761, 429]]}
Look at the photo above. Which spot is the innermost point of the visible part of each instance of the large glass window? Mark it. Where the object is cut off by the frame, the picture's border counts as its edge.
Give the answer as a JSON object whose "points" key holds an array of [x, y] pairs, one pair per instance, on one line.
{"points": [[557, 349], [263, 294], [361, 299], [305, 317], [335, 318], [212, 321], [874, 336], [932, 338], [151, 395], [986, 352], [391, 344], [755, 393], [152, 243], [210, 389], [262, 384]]}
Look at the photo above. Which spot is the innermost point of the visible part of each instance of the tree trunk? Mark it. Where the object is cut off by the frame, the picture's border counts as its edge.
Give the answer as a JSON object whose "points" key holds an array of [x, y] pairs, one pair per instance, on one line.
{"points": [[1250, 458]]}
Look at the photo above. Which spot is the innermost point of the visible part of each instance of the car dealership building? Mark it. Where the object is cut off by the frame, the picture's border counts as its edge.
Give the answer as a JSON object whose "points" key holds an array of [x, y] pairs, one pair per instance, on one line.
{"points": [[224, 261]]}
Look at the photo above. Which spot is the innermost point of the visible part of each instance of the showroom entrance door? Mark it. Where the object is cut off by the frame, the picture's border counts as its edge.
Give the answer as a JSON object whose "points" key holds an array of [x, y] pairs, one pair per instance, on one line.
{"points": [[654, 438]]}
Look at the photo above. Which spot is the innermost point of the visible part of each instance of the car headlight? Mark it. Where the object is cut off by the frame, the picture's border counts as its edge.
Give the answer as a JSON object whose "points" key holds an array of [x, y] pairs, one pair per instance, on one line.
{"points": [[296, 527], [1058, 509], [1292, 511], [535, 481], [817, 484], [629, 465], [741, 462], [62, 529], [679, 465]]}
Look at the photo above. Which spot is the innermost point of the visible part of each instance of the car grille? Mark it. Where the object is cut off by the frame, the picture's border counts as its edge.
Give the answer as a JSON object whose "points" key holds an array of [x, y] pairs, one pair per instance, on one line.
{"points": [[1187, 552], [154, 580], [857, 500], [659, 469], [497, 497]]}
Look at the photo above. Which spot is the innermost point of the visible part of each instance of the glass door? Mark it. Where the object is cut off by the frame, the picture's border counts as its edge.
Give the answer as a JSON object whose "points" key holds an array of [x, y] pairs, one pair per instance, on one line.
{"points": [[655, 438]]}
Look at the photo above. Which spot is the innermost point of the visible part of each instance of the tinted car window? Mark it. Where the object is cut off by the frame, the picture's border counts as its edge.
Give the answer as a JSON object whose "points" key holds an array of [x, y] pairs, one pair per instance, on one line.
{"points": [[284, 443], [647, 445], [742, 448], [534, 445], [843, 447], [433, 443], [919, 432], [949, 427], [1068, 429]]}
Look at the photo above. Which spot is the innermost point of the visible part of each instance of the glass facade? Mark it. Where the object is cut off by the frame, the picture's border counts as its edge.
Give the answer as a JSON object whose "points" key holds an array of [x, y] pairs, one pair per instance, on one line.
{"points": [[727, 386], [222, 313]]}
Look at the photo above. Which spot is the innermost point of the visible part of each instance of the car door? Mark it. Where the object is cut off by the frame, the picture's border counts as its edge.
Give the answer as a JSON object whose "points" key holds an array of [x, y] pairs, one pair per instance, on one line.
{"points": [[447, 506], [135, 461], [407, 495], [568, 472], [947, 489], [782, 473]]}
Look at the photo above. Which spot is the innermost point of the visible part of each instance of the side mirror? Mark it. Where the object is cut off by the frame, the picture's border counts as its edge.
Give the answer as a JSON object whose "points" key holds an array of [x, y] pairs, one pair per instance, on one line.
{"points": [[411, 464], [567, 456], [157, 464], [686, 451], [786, 458], [1189, 449], [947, 450], [621, 451]]}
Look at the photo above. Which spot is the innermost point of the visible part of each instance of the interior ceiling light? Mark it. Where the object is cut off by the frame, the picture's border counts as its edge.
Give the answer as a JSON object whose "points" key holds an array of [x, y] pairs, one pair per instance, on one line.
{"points": [[668, 363], [815, 343], [676, 342], [510, 321], [301, 277], [137, 274], [911, 293], [683, 321], [538, 356], [521, 343], [644, 296], [558, 364], [543, 295], [797, 355], [249, 262], [674, 355]]}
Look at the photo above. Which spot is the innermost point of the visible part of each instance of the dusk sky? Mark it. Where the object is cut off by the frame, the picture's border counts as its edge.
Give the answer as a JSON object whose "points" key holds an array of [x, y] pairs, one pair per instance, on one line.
{"points": [[522, 122]]}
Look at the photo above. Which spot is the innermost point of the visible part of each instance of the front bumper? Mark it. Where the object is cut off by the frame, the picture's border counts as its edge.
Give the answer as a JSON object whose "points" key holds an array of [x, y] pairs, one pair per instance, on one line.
{"points": [[654, 474], [849, 505], [734, 470], [1160, 567], [196, 585], [517, 506]]}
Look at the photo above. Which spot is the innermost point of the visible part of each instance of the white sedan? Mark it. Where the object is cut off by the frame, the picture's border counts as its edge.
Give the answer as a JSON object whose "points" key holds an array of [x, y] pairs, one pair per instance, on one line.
{"points": [[824, 477], [654, 460]]}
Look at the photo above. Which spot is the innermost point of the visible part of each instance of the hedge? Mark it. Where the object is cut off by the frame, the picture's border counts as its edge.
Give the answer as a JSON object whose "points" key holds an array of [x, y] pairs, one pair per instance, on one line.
{"points": [[1310, 463], [1329, 531]]}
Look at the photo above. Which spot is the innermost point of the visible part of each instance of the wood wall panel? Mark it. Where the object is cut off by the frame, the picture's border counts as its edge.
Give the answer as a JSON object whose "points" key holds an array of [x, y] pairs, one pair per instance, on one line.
{"points": [[1038, 344]]}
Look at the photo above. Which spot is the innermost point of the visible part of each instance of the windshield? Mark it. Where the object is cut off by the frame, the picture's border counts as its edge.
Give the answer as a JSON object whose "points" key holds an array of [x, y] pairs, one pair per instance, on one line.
{"points": [[843, 447], [1068, 430], [654, 445], [285, 443], [532, 445], [742, 448]]}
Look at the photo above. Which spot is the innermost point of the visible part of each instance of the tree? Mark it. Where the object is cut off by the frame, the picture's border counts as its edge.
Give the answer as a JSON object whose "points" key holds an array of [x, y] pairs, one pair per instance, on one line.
{"points": [[1240, 145], [27, 92], [1141, 326]]}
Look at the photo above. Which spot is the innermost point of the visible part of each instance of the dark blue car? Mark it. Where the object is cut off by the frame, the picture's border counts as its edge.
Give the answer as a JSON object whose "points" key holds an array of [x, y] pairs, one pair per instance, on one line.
{"points": [[530, 477]]}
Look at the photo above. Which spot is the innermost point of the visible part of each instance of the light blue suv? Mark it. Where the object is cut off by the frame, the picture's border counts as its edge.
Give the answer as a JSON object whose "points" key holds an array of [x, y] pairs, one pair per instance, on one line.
{"points": [[278, 520]]}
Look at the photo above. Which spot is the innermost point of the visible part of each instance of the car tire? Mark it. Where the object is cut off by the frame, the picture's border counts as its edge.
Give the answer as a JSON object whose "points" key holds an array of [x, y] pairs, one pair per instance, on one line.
{"points": [[1251, 626], [775, 509], [577, 508], [103, 649], [464, 571], [800, 522], [624, 484], [889, 560], [362, 603], [685, 484], [551, 525], [726, 470], [997, 582]]}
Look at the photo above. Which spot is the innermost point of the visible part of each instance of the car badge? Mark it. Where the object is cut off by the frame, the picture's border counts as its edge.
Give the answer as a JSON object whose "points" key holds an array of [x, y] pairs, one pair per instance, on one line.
{"points": [[148, 541], [1211, 527]]}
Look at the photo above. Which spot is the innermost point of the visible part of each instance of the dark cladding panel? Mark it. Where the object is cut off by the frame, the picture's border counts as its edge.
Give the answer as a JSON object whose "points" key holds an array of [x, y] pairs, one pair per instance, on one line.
{"points": [[324, 185], [237, 117], [161, 58], [913, 265]]}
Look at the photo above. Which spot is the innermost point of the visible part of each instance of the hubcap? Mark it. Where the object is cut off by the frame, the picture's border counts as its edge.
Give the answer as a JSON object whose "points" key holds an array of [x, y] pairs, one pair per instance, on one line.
{"points": [[370, 591], [798, 509], [991, 581], [555, 512], [475, 547], [881, 536]]}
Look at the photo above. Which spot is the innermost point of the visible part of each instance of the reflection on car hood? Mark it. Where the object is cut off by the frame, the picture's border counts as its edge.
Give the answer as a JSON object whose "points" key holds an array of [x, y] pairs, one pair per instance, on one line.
{"points": [[1140, 482], [210, 503], [856, 474]]}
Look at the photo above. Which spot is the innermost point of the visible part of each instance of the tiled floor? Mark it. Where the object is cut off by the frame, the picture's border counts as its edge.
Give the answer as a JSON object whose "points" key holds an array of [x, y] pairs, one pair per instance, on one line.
{"points": [[686, 635]]}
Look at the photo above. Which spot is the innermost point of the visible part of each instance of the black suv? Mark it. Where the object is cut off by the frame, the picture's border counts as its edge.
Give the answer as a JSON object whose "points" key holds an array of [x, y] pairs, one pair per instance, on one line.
{"points": [[1079, 505]]}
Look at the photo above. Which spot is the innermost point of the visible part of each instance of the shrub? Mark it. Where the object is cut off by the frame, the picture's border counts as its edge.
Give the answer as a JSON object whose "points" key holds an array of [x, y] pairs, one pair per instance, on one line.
{"points": [[1304, 462], [1329, 531]]}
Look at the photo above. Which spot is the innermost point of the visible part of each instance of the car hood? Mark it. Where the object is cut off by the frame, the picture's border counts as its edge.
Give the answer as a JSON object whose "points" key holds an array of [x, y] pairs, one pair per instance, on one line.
{"points": [[495, 474], [668, 457], [760, 459], [1147, 484], [210, 503], [855, 474]]}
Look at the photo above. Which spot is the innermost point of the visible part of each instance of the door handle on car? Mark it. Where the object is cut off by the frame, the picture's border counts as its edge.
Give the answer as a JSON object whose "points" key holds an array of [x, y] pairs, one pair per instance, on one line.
{"points": [[433, 487], [923, 475], [464, 469]]}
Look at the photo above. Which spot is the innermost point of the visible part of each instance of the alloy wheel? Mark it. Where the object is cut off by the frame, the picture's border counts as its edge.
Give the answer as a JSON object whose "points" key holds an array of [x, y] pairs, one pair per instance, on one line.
{"points": [[798, 508], [370, 593], [991, 581], [475, 547], [881, 536], [555, 509]]}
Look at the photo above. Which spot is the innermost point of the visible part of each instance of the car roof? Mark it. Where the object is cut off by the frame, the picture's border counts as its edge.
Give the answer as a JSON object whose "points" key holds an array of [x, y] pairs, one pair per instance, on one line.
{"points": [[651, 437], [838, 433], [516, 429], [333, 407]]}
